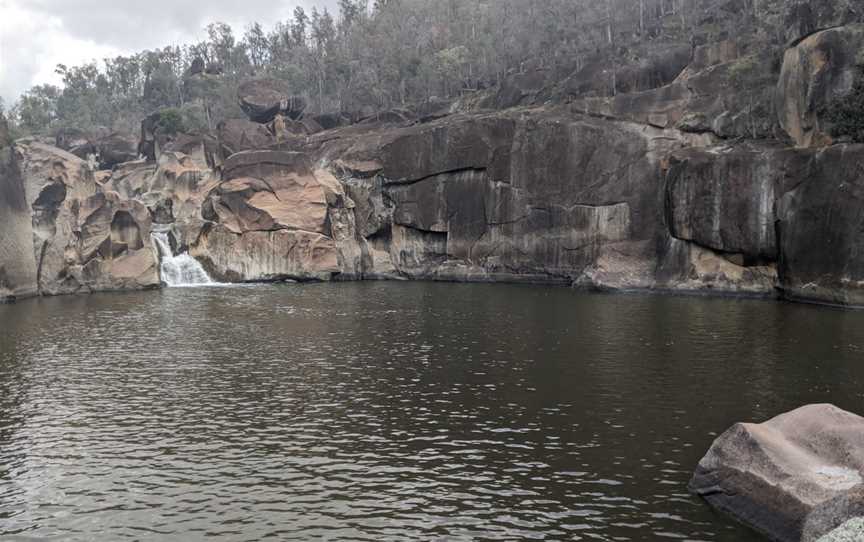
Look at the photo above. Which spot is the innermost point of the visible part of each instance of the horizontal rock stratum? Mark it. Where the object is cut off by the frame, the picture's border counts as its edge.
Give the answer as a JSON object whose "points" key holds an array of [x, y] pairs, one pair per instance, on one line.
{"points": [[795, 477]]}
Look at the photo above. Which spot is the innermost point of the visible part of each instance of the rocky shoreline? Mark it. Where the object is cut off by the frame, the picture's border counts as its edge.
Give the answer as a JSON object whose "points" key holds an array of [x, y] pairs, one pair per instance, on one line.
{"points": [[676, 187]]}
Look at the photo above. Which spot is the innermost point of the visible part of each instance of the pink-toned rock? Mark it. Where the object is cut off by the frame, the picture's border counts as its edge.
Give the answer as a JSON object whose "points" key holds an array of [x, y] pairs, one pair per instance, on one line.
{"points": [[789, 477]]}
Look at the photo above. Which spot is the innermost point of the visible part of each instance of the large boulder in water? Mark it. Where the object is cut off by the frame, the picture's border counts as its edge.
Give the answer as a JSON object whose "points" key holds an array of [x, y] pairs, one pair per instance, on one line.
{"points": [[793, 478], [263, 99]]}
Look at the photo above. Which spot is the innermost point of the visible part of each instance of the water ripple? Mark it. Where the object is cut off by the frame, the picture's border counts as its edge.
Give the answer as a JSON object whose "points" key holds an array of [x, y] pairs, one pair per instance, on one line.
{"points": [[390, 411]]}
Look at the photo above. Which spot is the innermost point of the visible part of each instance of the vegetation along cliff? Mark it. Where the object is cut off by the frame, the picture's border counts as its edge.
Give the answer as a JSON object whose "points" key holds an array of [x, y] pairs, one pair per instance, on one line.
{"points": [[685, 145]]}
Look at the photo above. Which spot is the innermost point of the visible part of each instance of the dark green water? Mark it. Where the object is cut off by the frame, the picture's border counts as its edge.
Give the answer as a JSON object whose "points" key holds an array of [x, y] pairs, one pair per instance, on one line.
{"points": [[390, 411]]}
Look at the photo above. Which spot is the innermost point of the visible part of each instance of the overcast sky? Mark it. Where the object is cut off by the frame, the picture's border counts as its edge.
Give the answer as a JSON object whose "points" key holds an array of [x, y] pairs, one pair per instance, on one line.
{"points": [[36, 35]]}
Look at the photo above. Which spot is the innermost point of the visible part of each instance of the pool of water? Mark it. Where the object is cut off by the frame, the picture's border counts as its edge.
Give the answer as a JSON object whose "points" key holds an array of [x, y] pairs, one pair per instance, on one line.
{"points": [[392, 411]]}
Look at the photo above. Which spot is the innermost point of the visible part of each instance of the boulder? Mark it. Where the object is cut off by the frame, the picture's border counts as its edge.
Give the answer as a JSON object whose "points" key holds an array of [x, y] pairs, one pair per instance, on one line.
{"points": [[791, 478], [263, 99], [116, 149], [76, 141], [851, 531], [17, 262], [236, 135], [329, 121], [820, 69]]}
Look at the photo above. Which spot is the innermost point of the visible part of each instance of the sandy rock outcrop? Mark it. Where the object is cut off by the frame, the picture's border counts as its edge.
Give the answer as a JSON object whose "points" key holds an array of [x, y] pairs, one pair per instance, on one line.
{"points": [[269, 220], [795, 477], [84, 239], [17, 264]]}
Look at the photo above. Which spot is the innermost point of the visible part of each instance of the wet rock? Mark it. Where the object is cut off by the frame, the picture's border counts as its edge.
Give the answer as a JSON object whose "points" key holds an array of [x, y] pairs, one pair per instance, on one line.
{"points": [[775, 476], [263, 99], [17, 262], [820, 69]]}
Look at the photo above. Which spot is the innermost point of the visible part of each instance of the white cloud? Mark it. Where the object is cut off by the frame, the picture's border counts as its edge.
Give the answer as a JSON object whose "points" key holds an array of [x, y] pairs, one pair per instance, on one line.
{"points": [[36, 35]]}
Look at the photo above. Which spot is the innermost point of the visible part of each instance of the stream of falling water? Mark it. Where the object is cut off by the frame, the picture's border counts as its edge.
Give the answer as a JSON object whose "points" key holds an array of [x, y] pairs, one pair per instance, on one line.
{"points": [[181, 270]]}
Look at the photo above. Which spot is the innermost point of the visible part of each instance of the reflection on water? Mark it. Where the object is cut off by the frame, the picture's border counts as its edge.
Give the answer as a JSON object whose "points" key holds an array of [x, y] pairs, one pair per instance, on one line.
{"points": [[382, 411]]}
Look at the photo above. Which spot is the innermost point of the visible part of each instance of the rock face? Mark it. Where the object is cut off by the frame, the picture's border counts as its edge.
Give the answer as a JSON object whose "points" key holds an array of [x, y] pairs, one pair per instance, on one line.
{"points": [[821, 68], [270, 220], [83, 239], [666, 164], [795, 477], [819, 228], [17, 265], [236, 135], [116, 149], [263, 99]]}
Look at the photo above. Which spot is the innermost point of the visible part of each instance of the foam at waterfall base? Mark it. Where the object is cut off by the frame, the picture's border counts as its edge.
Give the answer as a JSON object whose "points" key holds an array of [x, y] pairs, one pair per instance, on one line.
{"points": [[182, 270]]}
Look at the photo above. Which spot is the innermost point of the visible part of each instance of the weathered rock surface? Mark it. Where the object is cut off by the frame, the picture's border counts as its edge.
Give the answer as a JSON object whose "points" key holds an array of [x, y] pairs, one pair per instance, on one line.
{"points": [[83, 239], [116, 149], [723, 198], [821, 68], [820, 224], [851, 531], [17, 265], [271, 219], [263, 99], [795, 477], [236, 135], [665, 163]]}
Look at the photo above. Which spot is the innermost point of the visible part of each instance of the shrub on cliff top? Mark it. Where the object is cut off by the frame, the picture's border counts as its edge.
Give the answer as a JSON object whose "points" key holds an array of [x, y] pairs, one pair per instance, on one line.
{"points": [[846, 114], [170, 121]]}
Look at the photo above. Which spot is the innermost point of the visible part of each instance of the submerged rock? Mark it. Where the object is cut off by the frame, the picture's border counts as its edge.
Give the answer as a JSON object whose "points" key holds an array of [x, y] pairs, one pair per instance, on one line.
{"points": [[795, 477]]}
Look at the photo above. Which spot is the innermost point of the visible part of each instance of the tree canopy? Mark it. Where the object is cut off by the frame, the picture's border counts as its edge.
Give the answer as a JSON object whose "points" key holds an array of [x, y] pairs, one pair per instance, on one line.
{"points": [[372, 54]]}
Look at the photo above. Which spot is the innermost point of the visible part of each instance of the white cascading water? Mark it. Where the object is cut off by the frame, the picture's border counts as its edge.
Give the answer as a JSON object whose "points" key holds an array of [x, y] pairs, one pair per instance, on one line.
{"points": [[179, 271]]}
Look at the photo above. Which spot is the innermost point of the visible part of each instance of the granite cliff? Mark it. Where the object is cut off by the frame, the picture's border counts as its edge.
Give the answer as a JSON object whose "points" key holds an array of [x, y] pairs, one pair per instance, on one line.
{"points": [[707, 166]]}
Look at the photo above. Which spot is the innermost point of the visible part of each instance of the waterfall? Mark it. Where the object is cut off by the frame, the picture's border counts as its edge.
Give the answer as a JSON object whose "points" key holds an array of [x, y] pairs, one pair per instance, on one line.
{"points": [[178, 271]]}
